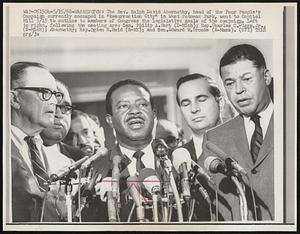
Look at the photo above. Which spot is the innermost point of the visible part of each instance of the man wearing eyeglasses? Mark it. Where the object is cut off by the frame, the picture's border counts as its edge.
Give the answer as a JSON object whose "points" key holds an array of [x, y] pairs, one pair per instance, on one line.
{"points": [[33, 99]]}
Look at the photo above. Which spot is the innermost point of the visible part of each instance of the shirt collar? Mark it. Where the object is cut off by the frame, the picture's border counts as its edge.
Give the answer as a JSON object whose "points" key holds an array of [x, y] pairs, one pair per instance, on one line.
{"points": [[198, 140], [129, 153], [264, 115], [18, 134]]}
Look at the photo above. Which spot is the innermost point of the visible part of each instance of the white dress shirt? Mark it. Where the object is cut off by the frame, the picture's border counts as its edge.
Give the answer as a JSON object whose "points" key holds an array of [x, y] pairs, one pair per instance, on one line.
{"points": [[56, 160], [198, 140], [264, 119], [147, 158]]}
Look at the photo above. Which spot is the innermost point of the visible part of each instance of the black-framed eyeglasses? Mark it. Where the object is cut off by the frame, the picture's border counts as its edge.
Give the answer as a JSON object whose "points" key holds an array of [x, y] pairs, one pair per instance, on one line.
{"points": [[46, 93], [65, 108]]}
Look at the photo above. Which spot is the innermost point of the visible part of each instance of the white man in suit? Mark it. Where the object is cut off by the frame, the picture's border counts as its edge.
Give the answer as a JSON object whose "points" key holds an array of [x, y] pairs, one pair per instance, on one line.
{"points": [[33, 99], [199, 100]]}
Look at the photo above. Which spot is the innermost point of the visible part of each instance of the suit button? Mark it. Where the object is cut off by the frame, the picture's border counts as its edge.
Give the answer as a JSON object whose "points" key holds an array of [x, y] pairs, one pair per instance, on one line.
{"points": [[254, 171]]}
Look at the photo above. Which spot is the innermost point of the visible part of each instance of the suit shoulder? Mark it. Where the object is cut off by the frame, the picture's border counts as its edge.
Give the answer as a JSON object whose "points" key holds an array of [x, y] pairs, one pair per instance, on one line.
{"points": [[225, 127]]}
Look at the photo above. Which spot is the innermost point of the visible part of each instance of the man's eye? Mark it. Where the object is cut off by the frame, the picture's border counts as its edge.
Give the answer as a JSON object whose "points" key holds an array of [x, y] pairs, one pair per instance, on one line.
{"points": [[228, 83], [247, 78], [185, 103], [143, 104], [123, 106], [202, 99]]}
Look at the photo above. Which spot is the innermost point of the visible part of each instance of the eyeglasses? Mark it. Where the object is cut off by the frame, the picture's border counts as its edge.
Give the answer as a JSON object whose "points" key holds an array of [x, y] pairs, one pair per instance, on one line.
{"points": [[65, 109], [46, 93]]}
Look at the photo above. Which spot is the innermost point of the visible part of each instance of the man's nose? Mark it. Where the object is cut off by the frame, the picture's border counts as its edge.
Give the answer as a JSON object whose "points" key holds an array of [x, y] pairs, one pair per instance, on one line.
{"points": [[134, 109], [239, 87], [82, 140], [58, 113], [195, 107]]}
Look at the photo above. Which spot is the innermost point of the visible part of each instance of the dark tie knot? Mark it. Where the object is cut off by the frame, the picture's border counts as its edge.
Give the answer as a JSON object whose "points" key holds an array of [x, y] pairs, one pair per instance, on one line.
{"points": [[255, 118], [138, 154], [30, 140]]}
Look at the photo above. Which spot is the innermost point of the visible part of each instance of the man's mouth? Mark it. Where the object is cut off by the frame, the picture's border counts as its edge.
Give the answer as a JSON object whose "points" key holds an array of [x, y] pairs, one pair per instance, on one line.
{"points": [[243, 101], [58, 125], [198, 118], [135, 123], [87, 149]]}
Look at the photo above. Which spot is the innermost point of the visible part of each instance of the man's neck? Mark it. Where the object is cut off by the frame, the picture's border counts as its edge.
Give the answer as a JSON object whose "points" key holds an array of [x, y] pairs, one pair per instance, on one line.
{"points": [[135, 145], [25, 128]]}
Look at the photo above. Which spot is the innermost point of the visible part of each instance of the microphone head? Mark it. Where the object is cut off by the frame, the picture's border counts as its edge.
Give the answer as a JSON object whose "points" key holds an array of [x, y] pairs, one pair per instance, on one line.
{"points": [[160, 148], [149, 179], [116, 159], [180, 156], [134, 189], [213, 164]]}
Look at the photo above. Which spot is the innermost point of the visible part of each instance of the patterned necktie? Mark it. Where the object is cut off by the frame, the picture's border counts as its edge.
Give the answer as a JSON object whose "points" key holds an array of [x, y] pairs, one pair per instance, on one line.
{"points": [[257, 138], [37, 166], [139, 164]]}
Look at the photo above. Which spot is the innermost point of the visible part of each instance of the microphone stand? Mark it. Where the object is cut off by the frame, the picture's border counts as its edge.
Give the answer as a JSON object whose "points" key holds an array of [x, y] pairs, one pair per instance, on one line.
{"points": [[242, 198]]}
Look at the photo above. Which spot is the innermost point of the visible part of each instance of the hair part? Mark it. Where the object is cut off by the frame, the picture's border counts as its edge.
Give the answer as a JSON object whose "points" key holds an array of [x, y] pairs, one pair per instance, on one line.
{"points": [[18, 69], [213, 89], [115, 86], [243, 52]]}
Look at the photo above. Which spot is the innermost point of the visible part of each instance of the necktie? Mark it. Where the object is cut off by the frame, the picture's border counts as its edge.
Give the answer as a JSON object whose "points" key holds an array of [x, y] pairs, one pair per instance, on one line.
{"points": [[37, 166], [257, 138], [139, 164]]}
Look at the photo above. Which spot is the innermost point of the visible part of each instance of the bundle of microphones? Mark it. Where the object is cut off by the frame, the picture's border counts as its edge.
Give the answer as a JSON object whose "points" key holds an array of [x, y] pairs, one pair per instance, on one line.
{"points": [[149, 190]]}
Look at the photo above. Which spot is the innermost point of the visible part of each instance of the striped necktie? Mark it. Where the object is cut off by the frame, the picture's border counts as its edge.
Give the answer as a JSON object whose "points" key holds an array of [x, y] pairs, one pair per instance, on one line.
{"points": [[257, 138], [37, 165], [139, 164]]}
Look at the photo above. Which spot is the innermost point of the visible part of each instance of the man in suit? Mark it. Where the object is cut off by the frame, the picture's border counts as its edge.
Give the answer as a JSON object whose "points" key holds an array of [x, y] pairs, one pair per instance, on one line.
{"points": [[199, 100], [33, 99], [131, 114], [248, 138], [54, 135]]}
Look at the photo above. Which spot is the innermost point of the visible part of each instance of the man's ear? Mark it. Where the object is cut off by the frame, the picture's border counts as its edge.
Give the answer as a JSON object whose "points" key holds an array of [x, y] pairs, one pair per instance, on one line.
{"points": [[108, 119], [267, 77], [14, 100], [155, 113]]}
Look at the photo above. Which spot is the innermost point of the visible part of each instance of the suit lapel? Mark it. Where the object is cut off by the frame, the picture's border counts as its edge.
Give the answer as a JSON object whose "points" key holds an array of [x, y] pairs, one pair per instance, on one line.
{"points": [[240, 140], [125, 161], [268, 143]]}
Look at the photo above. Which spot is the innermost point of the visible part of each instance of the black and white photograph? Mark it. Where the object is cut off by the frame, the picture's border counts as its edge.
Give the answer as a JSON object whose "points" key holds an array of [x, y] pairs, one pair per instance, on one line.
{"points": [[158, 117]]}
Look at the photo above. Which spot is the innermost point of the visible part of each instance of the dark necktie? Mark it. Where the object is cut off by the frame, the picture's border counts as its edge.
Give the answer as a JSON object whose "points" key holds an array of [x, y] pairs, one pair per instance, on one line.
{"points": [[139, 164], [37, 166], [257, 138]]}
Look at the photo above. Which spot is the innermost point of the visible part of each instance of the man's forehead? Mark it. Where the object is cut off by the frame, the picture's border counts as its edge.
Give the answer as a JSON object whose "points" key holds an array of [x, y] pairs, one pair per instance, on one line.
{"points": [[130, 90], [39, 77], [79, 123], [194, 88]]}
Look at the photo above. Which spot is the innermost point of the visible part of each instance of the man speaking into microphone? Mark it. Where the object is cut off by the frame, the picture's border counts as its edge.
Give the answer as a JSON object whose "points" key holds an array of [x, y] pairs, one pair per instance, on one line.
{"points": [[248, 138], [130, 113]]}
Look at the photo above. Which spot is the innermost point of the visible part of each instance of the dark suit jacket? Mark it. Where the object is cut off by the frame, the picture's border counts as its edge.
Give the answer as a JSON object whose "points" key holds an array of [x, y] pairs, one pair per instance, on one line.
{"points": [[27, 199], [70, 151], [202, 208], [104, 167], [231, 138]]}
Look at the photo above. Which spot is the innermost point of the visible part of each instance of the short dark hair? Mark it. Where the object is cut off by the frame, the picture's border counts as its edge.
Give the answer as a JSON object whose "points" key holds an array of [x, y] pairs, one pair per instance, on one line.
{"points": [[18, 69], [120, 84], [242, 52], [213, 89]]}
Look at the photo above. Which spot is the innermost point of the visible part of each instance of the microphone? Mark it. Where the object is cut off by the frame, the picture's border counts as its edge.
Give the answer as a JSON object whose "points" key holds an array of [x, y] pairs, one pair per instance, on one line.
{"points": [[215, 165], [115, 176], [161, 150], [135, 192], [100, 152], [229, 161], [111, 206], [151, 183], [67, 170], [182, 164]]}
